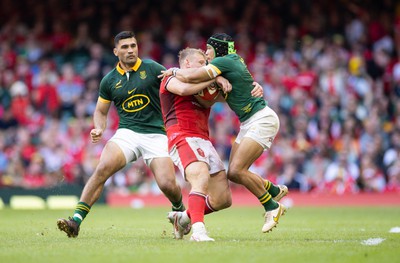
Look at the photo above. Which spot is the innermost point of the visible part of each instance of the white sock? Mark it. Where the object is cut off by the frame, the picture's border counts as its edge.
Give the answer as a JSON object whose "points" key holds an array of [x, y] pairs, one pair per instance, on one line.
{"points": [[199, 227]]}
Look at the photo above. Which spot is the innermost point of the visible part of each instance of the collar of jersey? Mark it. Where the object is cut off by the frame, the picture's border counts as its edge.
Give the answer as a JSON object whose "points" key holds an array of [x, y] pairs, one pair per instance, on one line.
{"points": [[134, 68]]}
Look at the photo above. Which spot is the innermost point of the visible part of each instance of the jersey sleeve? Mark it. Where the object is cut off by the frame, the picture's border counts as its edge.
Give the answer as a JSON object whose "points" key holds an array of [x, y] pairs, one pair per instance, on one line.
{"points": [[221, 64], [104, 90], [164, 84], [159, 67]]}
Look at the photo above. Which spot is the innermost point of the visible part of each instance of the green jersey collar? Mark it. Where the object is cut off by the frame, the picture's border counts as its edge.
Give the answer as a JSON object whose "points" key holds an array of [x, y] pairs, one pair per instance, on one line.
{"points": [[134, 68]]}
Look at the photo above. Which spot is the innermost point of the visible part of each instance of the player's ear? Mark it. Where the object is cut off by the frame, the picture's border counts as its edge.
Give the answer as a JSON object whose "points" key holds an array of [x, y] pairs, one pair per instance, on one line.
{"points": [[115, 52]]}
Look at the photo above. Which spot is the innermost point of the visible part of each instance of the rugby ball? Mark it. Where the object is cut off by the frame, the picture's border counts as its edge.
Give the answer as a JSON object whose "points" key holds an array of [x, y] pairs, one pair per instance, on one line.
{"points": [[209, 93]]}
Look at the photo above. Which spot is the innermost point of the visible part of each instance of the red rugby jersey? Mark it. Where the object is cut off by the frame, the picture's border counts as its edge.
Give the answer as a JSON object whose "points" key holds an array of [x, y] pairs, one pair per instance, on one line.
{"points": [[183, 116]]}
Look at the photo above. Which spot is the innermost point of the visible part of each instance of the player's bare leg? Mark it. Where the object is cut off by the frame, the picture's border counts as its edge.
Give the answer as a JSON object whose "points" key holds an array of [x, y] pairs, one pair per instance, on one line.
{"points": [[111, 160], [243, 155], [219, 191], [164, 174]]}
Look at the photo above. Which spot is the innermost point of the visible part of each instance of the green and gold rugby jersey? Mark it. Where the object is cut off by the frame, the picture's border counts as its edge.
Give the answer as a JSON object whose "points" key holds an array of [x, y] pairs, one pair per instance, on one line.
{"points": [[233, 68], [136, 96]]}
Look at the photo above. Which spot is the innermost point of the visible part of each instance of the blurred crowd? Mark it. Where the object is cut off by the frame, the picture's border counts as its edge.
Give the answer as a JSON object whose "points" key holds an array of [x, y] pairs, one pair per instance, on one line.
{"points": [[330, 69]]}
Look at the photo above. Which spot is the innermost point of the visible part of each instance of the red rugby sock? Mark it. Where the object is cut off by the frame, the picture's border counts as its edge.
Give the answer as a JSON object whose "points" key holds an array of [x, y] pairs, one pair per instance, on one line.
{"points": [[197, 205]]}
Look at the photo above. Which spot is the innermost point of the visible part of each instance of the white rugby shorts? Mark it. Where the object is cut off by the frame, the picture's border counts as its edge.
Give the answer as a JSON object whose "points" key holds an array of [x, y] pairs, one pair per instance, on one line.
{"points": [[135, 145], [262, 127]]}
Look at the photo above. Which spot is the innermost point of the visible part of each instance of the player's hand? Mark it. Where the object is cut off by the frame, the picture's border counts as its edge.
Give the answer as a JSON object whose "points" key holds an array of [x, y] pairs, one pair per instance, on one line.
{"points": [[96, 135], [257, 91], [167, 73], [224, 84]]}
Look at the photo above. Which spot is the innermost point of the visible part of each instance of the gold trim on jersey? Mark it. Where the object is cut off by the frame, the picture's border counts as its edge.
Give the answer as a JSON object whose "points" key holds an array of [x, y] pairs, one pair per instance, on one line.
{"points": [[211, 69], [104, 100], [134, 68]]}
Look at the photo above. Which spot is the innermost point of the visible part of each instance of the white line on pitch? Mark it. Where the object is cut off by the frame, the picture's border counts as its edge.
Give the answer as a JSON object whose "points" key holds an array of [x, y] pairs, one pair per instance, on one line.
{"points": [[372, 241]]}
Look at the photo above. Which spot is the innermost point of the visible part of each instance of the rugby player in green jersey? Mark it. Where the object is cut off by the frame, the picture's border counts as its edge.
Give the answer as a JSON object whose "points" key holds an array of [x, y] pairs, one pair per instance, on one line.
{"points": [[259, 123], [133, 87]]}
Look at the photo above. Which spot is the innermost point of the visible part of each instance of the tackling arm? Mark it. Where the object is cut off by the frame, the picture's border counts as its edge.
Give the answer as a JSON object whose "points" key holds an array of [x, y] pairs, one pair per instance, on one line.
{"points": [[198, 75], [184, 89], [193, 75]]}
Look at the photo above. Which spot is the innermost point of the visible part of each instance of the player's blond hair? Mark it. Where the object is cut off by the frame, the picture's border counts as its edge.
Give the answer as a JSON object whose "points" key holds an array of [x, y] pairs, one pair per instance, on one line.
{"points": [[184, 53]]}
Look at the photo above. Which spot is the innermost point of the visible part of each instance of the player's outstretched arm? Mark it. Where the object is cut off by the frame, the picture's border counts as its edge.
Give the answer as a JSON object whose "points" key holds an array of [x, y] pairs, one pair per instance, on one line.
{"points": [[188, 75], [184, 89]]}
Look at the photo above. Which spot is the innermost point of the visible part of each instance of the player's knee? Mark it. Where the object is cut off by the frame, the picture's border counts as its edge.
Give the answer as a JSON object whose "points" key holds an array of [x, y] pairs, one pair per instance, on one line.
{"points": [[234, 173], [102, 172], [168, 186], [224, 201], [228, 202]]}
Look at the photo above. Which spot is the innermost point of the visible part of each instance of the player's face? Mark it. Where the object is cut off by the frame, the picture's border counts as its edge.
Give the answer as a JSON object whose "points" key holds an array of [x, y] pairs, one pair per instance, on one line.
{"points": [[196, 61], [127, 51], [210, 53]]}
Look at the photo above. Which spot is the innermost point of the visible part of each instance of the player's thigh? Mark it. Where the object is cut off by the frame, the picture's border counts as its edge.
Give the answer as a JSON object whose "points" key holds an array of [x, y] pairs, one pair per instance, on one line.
{"points": [[218, 187], [189, 150], [163, 169], [245, 154], [112, 159]]}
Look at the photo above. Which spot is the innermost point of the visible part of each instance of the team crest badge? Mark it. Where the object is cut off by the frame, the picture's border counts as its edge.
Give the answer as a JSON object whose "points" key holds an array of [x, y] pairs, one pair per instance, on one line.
{"points": [[143, 74], [200, 152]]}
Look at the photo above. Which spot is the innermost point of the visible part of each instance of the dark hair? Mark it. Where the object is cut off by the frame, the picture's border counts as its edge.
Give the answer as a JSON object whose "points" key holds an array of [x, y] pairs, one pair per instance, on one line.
{"points": [[222, 43], [123, 35]]}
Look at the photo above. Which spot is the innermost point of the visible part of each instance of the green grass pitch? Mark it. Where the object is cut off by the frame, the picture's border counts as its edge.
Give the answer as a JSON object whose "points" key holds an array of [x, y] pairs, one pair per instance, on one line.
{"points": [[329, 234]]}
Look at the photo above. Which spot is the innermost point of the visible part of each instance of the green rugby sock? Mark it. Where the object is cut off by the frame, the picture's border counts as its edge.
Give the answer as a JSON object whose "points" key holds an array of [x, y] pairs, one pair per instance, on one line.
{"points": [[267, 201], [178, 206], [81, 210], [271, 188]]}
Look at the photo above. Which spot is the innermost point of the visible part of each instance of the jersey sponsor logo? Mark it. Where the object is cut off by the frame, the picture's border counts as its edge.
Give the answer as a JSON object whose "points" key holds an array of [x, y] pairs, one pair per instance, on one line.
{"points": [[118, 85], [142, 74], [132, 90], [135, 103]]}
